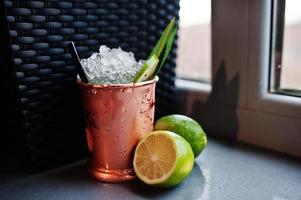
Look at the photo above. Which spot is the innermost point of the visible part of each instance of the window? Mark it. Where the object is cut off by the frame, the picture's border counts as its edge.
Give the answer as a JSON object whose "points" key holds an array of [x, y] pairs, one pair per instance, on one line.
{"points": [[243, 103], [286, 48], [194, 44]]}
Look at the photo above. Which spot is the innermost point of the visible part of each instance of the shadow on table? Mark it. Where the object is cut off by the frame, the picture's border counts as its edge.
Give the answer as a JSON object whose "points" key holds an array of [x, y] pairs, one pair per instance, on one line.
{"points": [[73, 182], [76, 174], [192, 188]]}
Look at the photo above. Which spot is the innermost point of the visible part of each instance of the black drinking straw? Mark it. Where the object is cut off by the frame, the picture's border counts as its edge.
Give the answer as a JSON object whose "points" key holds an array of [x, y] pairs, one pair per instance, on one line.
{"points": [[76, 60]]}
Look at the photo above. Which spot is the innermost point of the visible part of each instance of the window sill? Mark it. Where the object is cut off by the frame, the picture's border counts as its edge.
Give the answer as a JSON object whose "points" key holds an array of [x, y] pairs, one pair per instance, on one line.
{"points": [[193, 86], [222, 171]]}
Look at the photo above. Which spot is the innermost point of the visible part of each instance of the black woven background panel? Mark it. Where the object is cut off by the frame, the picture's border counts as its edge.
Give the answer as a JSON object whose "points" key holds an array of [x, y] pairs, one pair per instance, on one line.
{"points": [[43, 74]]}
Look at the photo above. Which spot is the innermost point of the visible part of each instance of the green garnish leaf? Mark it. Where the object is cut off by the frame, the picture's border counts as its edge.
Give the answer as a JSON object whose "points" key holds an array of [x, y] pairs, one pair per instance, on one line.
{"points": [[167, 50], [147, 70], [160, 45], [155, 61]]}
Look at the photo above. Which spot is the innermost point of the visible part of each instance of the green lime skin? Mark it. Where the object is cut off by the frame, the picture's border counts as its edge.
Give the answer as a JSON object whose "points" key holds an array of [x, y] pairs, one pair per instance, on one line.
{"points": [[184, 163], [186, 127]]}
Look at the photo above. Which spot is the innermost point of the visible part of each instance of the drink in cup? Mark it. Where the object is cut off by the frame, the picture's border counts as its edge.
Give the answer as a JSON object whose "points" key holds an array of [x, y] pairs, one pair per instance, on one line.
{"points": [[119, 102]]}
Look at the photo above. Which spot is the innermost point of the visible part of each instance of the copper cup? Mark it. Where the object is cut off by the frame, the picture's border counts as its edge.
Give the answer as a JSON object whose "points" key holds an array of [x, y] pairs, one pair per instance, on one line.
{"points": [[117, 116]]}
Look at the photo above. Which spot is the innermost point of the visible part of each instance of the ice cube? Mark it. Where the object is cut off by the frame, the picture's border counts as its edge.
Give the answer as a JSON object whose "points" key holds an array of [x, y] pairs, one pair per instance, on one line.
{"points": [[111, 66], [104, 50]]}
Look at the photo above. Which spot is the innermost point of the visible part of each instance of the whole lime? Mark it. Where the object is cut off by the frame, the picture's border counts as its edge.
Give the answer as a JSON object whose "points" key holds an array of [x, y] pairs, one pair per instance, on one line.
{"points": [[186, 127]]}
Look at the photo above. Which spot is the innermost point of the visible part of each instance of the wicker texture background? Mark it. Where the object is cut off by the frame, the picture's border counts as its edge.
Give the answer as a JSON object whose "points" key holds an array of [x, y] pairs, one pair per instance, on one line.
{"points": [[48, 111]]}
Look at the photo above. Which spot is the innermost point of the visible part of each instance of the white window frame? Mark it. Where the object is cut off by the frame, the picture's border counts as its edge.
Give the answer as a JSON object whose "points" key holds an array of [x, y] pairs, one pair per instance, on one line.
{"points": [[241, 35], [259, 97]]}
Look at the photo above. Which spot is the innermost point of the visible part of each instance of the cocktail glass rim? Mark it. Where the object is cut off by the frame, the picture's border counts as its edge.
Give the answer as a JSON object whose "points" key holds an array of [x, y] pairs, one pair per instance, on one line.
{"points": [[118, 85]]}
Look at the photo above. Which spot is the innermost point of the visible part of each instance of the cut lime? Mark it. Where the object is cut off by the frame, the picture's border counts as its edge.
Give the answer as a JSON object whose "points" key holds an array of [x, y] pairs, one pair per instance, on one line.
{"points": [[163, 158], [185, 127], [147, 70]]}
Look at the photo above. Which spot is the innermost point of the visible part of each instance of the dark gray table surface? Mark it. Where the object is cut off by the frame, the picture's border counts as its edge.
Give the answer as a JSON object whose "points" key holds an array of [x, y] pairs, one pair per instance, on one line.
{"points": [[223, 171]]}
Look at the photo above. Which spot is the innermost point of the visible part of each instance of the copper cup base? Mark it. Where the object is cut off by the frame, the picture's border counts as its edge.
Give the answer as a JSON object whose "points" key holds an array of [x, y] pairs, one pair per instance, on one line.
{"points": [[105, 175]]}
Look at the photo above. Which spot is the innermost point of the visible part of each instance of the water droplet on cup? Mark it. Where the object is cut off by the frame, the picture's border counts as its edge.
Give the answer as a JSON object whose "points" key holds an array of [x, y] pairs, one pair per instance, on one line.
{"points": [[116, 138]]}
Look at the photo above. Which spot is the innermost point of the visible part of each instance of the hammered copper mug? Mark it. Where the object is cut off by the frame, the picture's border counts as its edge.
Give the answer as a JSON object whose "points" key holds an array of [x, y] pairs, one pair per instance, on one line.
{"points": [[117, 116]]}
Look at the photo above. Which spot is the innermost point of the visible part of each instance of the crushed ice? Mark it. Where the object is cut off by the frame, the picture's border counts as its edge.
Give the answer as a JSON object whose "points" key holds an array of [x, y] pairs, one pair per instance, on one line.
{"points": [[111, 66]]}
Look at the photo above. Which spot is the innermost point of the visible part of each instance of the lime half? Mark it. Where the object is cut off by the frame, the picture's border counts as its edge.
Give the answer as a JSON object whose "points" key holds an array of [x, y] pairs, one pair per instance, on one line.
{"points": [[147, 70], [163, 159], [186, 127]]}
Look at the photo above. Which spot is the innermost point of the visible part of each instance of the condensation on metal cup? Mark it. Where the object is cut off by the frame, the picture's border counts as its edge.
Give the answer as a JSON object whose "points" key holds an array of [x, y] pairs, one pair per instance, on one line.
{"points": [[117, 116]]}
